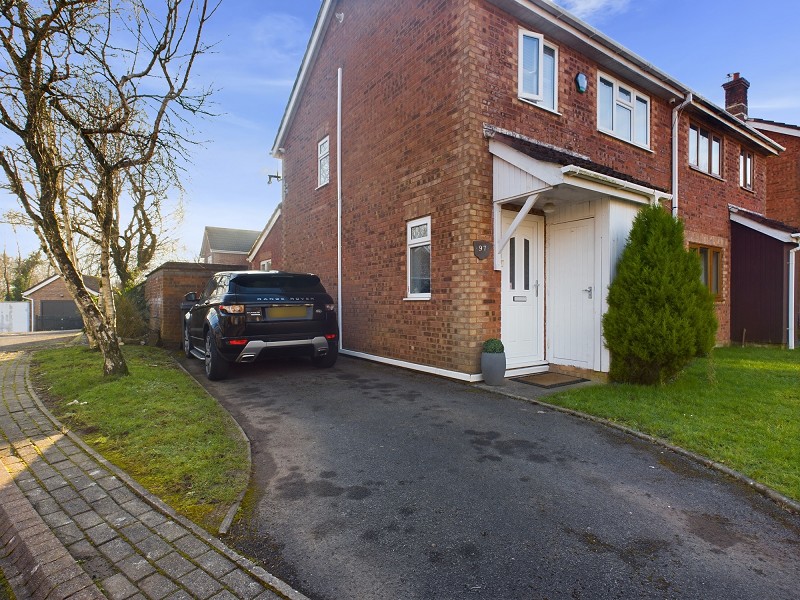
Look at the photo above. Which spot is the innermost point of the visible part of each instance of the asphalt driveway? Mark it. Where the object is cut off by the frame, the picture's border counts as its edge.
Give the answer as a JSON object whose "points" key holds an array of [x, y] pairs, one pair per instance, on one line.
{"points": [[375, 482]]}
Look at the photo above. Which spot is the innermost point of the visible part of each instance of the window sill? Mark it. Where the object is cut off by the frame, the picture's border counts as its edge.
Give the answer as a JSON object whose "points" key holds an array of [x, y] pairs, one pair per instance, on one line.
{"points": [[624, 141], [699, 170], [417, 298], [319, 187], [749, 190], [537, 105]]}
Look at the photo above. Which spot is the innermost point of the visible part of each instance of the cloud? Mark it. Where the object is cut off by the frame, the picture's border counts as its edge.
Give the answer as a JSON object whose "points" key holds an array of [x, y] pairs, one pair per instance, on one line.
{"points": [[584, 9]]}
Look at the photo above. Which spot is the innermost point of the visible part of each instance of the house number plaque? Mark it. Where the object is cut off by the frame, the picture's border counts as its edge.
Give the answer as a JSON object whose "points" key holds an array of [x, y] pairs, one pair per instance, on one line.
{"points": [[482, 249]]}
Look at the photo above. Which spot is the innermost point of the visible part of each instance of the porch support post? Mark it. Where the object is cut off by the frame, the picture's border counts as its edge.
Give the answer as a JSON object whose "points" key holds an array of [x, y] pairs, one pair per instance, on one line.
{"points": [[500, 243]]}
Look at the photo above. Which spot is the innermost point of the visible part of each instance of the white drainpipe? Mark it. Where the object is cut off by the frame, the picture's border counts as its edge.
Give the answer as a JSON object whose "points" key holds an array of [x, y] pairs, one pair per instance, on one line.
{"points": [[792, 294], [675, 132], [339, 201]]}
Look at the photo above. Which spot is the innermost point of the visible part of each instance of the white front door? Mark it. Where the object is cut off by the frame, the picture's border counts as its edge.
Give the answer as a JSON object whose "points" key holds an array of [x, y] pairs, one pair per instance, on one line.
{"points": [[522, 321], [571, 322]]}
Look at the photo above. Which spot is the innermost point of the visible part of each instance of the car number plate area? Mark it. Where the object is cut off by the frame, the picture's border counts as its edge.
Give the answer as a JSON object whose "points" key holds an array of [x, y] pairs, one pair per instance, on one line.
{"points": [[282, 313]]}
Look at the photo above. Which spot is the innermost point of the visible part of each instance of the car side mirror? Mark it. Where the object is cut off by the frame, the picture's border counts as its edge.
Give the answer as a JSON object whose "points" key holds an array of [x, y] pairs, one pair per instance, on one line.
{"points": [[191, 297]]}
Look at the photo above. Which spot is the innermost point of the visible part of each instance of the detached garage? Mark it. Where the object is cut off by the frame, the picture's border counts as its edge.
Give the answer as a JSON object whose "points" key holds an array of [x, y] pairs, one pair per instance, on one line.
{"points": [[52, 307]]}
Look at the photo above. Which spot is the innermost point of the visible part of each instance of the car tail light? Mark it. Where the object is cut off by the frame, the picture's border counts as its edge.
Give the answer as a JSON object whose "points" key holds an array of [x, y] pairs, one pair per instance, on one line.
{"points": [[233, 309], [237, 342], [330, 336]]}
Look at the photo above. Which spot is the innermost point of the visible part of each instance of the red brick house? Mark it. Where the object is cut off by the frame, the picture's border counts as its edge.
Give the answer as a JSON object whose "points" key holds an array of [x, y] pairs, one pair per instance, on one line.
{"points": [[765, 279], [224, 246], [465, 169], [52, 307], [265, 255]]}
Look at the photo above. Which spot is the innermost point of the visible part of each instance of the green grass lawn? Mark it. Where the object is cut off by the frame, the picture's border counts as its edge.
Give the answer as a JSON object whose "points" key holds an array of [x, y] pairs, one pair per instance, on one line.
{"points": [[157, 424], [740, 407]]}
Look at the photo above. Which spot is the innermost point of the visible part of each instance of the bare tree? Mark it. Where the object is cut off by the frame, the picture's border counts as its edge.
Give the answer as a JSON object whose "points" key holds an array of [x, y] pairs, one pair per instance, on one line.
{"points": [[115, 74]]}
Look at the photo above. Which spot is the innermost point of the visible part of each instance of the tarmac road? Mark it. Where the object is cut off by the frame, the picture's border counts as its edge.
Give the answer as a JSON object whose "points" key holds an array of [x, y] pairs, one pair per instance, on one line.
{"points": [[375, 482]]}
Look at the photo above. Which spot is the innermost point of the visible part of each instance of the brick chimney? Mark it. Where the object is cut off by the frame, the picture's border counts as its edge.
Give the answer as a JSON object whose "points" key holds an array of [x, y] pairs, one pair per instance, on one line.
{"points": [[736, 96]]}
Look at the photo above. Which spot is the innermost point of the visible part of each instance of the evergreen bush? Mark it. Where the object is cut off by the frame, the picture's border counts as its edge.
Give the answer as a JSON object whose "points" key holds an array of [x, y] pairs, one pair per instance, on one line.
{"points": [[660, 314]]}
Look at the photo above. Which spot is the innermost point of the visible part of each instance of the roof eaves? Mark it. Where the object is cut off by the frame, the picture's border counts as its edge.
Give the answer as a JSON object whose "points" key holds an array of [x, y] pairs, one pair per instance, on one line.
{"points": [[310, 56], [630, 62]]}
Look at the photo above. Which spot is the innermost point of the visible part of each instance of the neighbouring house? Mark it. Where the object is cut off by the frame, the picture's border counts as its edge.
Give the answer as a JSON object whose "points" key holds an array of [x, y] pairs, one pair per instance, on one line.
{"points": [[468, 169], [52, 307], [765, 278], [224, 246], [268, 248]]}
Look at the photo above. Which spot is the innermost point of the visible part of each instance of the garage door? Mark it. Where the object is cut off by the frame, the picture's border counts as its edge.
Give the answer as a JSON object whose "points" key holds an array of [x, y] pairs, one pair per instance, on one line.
{"points": [[58, 315]]}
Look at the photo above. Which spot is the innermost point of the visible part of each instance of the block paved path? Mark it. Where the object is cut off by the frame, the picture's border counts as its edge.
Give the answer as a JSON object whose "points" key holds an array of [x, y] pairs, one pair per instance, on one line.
{"points": [[73, 526]]}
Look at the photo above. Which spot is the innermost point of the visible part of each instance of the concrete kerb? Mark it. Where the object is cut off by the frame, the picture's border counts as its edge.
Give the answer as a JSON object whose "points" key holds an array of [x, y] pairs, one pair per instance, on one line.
{"points": [[784, 502], [156, 503], [228, 520]]}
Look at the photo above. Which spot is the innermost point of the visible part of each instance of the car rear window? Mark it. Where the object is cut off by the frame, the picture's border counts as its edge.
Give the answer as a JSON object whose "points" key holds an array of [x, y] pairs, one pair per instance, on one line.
{"points": [[277, 284]]}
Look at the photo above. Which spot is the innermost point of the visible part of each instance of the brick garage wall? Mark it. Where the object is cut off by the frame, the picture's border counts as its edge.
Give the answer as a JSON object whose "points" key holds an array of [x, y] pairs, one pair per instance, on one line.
{"points": [[783, 181], [164, 291], [57, 290], [272, 248]]}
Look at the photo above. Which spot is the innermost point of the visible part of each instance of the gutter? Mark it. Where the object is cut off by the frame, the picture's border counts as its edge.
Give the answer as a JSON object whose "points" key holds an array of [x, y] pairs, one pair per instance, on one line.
{"points": [[675, 133]]}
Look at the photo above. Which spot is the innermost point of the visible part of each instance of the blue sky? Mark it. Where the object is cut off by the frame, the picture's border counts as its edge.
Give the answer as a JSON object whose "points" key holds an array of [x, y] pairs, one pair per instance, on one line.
{"points": [[260, 43]]}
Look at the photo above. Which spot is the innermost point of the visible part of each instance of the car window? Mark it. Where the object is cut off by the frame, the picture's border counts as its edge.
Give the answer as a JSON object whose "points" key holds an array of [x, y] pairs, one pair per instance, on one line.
{"points": [[210, 286], [276, 284]]}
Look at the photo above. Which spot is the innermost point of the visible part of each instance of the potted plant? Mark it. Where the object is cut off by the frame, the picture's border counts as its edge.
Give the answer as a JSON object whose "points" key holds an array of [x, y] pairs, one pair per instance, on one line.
{"points": [[493, 362]]}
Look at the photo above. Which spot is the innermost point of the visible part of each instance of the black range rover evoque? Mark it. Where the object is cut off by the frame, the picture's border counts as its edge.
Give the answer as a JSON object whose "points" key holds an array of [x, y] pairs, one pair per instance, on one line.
{"points": [[244, 315]]}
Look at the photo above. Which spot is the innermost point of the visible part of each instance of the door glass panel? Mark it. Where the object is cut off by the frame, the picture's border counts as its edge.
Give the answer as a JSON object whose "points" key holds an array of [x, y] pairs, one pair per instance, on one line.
{"points": [[527, 265], [512, 254]]}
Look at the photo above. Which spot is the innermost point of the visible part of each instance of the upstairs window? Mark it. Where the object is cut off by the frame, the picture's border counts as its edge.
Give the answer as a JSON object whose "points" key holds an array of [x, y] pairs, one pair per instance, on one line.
{"points": [[537, 70], [705, 150], [623, 112], [710, 265], [418, 241], [266, 265], [746, 163], [323, 161]]}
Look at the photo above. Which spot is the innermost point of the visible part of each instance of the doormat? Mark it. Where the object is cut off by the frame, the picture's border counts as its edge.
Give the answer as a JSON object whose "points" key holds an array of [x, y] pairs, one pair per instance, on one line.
{"points": [[549, 380]]}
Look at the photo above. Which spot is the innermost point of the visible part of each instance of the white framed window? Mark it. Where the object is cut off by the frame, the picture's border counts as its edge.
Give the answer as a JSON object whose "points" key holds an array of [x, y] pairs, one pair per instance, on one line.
{"points": [[622, 111], [537, 70], [418, 243], [746, 162], [705, 150], [266, 265], [323, 161]]}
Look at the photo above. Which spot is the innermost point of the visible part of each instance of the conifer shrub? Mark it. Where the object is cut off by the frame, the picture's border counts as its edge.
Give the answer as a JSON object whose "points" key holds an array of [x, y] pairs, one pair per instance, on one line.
{"points": [[660, 314]]}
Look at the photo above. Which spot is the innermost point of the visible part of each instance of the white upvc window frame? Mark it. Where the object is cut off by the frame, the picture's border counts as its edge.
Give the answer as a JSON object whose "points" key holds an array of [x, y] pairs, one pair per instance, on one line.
{"points": [[632, 105], [747, 163], [537, 97], [266, 265], [324, 161], [702, 156], [412, 243]]}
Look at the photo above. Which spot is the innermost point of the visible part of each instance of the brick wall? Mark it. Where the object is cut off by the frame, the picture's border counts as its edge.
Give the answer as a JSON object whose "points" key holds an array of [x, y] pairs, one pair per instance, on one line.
{"points": [[57, 290], [164, 291], [420, 78], [272, 248], [783, 183], [229, 258]]}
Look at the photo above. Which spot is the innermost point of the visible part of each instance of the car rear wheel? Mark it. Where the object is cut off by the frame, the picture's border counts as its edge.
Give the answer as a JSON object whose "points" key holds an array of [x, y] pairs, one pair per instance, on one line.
{"points": [[216, 366], [327, 361]]}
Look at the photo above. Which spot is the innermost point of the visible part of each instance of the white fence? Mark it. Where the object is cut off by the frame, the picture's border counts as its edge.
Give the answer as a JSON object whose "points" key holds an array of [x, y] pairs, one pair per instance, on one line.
{"points": [[15, 317]]}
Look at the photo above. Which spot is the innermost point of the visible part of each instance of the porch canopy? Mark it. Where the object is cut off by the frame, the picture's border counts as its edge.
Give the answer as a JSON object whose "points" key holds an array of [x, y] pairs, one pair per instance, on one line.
{"points": [[533, 174]]}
